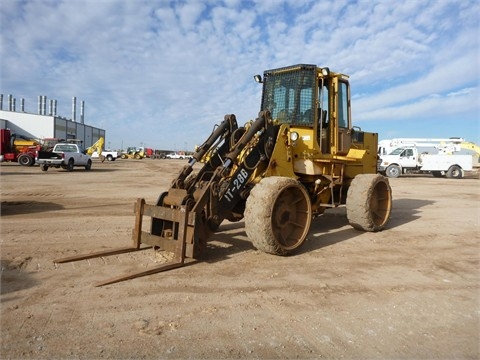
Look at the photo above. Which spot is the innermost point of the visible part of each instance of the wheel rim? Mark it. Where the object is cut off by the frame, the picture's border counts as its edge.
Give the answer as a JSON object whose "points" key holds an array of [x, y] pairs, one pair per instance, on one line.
{"points": [[380, 203], [455, 172], [291, 217], [393, 172]]}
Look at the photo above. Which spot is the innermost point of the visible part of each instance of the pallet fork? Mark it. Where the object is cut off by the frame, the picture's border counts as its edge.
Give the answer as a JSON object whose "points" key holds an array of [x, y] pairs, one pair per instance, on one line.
{"points": [[183, 221]]}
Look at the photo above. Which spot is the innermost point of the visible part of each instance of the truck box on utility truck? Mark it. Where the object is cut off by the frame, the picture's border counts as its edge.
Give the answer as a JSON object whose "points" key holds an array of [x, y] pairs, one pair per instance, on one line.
{"points": [[407, 159], [64, 155]]}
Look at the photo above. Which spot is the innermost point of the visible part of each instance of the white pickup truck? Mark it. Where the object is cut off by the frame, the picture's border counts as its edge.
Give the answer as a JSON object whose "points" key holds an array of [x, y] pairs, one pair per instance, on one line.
{"points": [[107, 155], [64, 155], [407, 159], [180, 156]]}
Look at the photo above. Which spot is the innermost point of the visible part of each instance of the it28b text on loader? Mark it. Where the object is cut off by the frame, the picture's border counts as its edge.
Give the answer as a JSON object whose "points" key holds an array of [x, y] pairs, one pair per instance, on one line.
{"points": [[300, 157]]}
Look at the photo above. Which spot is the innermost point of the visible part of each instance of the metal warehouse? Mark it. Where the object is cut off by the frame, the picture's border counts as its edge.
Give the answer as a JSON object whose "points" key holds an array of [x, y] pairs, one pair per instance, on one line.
{"points": [[47, 124]]}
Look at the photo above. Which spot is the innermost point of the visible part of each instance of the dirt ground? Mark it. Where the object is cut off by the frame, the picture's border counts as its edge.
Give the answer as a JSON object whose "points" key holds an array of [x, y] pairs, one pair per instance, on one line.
{"points": [[411, 291]]}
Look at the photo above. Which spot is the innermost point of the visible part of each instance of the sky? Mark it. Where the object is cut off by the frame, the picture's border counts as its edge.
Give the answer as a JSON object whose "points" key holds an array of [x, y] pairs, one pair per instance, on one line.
{"points": [[161, 74]]}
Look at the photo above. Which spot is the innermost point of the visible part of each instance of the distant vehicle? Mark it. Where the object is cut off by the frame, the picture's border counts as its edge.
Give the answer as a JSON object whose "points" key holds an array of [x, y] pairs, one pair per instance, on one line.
{"points": [[97, 151], [133, 153], [64, 155], [175, 156], [149, 152], [16, 148], [108, 155], [408, 159], [385, 147]]}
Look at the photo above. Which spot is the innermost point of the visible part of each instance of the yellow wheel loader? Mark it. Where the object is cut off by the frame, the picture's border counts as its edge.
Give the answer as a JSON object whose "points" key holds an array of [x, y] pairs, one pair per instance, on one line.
{"points": [[133, 153], [298, 158]]}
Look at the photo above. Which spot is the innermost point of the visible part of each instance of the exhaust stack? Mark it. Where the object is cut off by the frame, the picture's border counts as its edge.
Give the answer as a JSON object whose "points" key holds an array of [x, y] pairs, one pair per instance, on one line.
{"points": [[82, 112], [44, 105], [74, 108]]}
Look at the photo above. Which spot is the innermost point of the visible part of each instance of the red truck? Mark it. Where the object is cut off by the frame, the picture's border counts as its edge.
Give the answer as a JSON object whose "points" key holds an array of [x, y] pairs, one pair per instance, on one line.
{"points": [[17, 148]]}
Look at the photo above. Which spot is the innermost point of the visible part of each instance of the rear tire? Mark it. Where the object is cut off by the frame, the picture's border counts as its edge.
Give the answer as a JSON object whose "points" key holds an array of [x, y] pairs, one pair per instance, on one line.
{"points": [[393, 171], [369, 202], [89, 165], [25, 160], [455, 172], [278, 215], [70, 165]]}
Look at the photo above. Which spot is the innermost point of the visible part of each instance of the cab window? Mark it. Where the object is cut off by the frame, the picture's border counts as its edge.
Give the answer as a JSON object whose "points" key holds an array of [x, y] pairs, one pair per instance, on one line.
{"points": [[343, 120]]}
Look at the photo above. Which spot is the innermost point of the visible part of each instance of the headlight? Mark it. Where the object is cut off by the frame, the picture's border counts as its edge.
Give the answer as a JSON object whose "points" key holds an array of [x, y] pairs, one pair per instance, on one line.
{"points": [[294, 136]]}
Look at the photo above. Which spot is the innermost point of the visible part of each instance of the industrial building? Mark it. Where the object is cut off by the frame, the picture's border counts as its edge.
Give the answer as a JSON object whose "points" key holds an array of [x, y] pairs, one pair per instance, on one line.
{"points": [[45, 124]]}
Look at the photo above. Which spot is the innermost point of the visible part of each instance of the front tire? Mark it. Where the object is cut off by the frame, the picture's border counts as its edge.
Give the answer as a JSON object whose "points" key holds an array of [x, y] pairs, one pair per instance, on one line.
{"points": [[44, 167], [369, 202], [393, 171], [278, 215]]}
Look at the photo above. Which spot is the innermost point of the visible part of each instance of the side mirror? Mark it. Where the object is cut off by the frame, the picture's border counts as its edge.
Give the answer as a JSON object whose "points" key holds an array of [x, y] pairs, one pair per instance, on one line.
{"points": [[258, 79]]}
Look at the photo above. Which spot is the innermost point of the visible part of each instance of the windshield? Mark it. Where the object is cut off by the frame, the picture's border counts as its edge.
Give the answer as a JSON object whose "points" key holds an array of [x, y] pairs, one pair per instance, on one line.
{"points": [[65, 148], [397, 151], [290, 95]]}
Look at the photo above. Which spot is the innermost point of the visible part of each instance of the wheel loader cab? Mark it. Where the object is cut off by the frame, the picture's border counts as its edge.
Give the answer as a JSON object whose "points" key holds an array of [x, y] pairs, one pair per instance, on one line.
{"points": [[315, 103]]}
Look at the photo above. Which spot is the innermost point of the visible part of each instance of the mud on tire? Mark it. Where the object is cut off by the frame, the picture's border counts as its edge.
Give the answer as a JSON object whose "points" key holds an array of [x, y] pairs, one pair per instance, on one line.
{"points": [[278, 215], [369, 202]]}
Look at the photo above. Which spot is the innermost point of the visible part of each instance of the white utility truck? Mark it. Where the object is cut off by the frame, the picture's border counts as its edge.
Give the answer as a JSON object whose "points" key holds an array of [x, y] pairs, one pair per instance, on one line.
{"points": [[407, 159], [386, 146]]}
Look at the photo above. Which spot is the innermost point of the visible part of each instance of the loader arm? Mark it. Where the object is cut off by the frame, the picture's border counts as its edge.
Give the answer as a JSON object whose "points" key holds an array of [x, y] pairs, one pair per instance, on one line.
{"points": [[219, 190], [210, 152], [98, 147]]}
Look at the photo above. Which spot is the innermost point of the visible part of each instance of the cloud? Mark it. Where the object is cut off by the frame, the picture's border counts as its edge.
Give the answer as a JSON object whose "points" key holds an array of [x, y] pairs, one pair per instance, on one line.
{"points": [[163, 73]]}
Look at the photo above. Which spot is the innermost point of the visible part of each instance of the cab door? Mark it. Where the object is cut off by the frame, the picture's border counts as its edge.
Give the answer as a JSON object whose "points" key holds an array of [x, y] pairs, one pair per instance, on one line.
{"points": [[342, 132], [408, 159]]}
